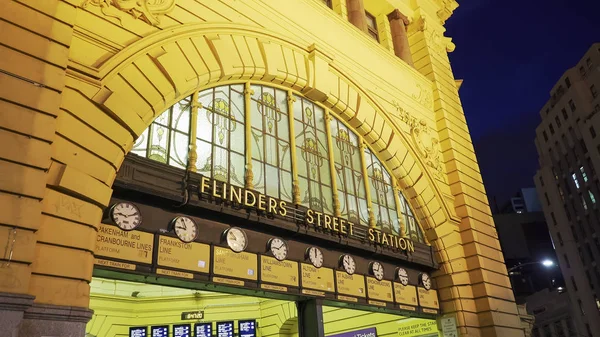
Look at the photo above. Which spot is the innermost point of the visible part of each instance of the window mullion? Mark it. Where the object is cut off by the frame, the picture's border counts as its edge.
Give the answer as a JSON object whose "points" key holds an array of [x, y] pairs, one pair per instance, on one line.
{"points": [[401, 217], [336, 201], [295, 183], [249, 176], [193, 154], [372, 222]]}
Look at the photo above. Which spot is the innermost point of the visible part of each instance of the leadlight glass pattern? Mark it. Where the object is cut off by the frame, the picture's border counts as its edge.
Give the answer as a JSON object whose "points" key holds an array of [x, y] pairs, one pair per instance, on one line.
{"points": [[312, 156], [271, 160], [412, 229], [349, 176], [220, 137], [167, 138], [383, 202]]}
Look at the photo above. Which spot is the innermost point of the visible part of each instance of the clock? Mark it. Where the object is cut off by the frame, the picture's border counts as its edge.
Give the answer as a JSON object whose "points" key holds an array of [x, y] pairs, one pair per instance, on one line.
{"points": [[125, 215], [402, 276], [185, 228], [236, 239], [425, 280], [315, 256], [377, 270], [278, 248], [347, 262]]}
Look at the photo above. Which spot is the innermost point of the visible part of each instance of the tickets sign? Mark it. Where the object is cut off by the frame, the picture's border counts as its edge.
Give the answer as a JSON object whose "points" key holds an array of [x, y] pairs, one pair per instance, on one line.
{"points": [[279, 272], [238, 265], [192, 256], [317, 278], [115, 243], [353, 285]]}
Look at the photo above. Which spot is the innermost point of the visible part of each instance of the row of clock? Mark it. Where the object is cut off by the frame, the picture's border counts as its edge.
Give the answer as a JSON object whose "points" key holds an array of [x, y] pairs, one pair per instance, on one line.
{"points": [[128, 217]]}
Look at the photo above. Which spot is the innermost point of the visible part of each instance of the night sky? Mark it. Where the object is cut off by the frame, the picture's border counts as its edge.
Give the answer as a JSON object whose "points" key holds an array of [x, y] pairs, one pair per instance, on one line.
{"points": [[510, 53]]}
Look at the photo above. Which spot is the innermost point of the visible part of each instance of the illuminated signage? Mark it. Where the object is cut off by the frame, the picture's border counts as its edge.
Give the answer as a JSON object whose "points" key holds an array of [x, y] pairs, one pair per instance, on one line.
{"points": [[214, 189], [280, 272], [370, 332], [192, 315], [428, 298], [174, 253], [353, 285], [139, 331], [182, 330], [379, 290], [405, 295], [131, 246], [239, 265], [203, 329], [160, 331], [317, 278], [224, 329], [247, 328]]}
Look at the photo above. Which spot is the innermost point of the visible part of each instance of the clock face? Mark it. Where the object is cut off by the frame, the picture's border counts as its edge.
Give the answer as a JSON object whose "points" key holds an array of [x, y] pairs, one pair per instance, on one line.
{"points": [[236, 239], [377, 270], [278, 248], [402, 276], [185, 228], [425, 281], [315, 256], [348, 264], [126, 215]]}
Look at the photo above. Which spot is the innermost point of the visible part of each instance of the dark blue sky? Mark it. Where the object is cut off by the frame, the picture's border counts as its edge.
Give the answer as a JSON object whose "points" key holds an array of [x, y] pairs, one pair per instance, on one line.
{"points": [[510, 53]]}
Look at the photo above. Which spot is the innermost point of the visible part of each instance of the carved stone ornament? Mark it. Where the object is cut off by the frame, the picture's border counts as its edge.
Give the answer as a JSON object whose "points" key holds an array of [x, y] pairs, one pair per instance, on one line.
{"points": [[146, 10], [425, 96]]}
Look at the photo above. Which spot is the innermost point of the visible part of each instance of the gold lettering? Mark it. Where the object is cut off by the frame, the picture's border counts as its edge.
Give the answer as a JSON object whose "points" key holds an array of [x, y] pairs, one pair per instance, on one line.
{"points": [[327, 221], [411, 246], [203, 184], [351, 225], [247, 195], [282, 209], [384, 240], [261, 202], [214, 189], [336, 224], [224, 191], [343, 227], [235, 194], [378, 236], [309, 216], [395, 241], [371, 236], [319, 218], [402, 244], [272, 206]]}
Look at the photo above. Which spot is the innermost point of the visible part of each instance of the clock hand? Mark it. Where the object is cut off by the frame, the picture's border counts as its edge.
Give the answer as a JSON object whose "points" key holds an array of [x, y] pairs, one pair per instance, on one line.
{"points": [[179, 227]]}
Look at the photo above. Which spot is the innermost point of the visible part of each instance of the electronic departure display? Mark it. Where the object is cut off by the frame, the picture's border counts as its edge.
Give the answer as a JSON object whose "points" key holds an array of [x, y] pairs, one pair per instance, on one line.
{"points": [[138, 331], [203, 329], [224, 329], [182, 330], [160, 331], [247, 328]]}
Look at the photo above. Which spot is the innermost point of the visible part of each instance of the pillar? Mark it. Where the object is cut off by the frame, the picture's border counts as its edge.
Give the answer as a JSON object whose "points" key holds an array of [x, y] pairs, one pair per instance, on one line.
{"points": [[398, 23], [356, 14], [310, 318]]}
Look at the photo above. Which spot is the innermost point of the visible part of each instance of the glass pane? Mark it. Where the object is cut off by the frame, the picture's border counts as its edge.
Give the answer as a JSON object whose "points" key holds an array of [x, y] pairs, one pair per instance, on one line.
{"points": [[327, 199], [271, 150], [204, 162], [304, 196], [256, 115], [221, 130], [272, 182], [281, 98], [237, 139], [237, 170], [179, 150], [363, 211], [205, 98], [285, 184], [283, 131], [158, 143], [258, 172], [181, 116], [319, 118], [301, 163], [257, 145], [237, 106], [298, 110], [163, 118], [220, 164], [141, 144], [285, 161]]}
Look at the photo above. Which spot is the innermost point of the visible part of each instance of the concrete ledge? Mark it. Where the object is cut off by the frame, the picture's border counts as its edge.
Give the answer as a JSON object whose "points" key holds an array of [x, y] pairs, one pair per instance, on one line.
{"points": [[15, 302]]}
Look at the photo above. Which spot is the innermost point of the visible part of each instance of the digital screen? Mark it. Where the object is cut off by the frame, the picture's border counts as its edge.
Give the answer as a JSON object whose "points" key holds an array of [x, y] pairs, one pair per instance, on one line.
{"points": [[247, 328], [182, 330], [203, 329], [225, 329], [160, 331], [139, 331]]}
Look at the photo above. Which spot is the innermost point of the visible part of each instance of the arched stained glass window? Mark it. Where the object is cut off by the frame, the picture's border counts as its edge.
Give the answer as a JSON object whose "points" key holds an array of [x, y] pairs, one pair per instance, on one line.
{"points": [[220, 133], [271, 160], [312, 156], [382, 194], [412, 229], [349, 175], [229, 134], [167, 138]]}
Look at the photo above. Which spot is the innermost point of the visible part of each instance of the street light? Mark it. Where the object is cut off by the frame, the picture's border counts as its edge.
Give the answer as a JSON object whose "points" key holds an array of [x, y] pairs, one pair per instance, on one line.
{"points": [[546, 263]]}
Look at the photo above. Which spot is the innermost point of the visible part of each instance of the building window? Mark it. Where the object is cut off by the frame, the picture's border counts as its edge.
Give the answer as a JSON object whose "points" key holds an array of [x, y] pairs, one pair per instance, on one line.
{"points": [[572, 105], [547, 199], [372, 26], [583, 146], [592, 132], [327, 3], [594, 91], [567, 261], [564, 113], [551, 127], [541, 181], [382, 194], [574, 233], [583, 203], [589, 278], [592, 197], [589, 250], [410, 223], [567, 187], [581, 257], [553, 218], [575, 181], [567, 82], [581, 308], [588, 62], [574, 283], [557, 121], [560, 239], [545, 135], [582, 71], [583, 174]]}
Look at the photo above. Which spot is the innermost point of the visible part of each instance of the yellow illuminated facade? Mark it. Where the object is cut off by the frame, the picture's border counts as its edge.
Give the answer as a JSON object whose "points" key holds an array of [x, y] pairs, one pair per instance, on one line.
{"points": [[348, 109]]}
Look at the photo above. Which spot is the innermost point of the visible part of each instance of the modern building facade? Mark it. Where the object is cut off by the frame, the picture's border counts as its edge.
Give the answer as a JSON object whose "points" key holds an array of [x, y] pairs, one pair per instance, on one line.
{"points": [[568, 186], [282, 168], [553, 314]]}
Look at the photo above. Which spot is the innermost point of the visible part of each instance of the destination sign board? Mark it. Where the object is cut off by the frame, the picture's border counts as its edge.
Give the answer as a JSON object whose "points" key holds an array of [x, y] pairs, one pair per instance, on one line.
{"points": [[160, 331], [379, 290], [115, 243], [238, 265], [405, 295], [353, 285], [279, 272], [247, 328], [139, 331], [317, 278], [174, 253], [203, 329], [428, 298], [182, 330], [225, 329]]}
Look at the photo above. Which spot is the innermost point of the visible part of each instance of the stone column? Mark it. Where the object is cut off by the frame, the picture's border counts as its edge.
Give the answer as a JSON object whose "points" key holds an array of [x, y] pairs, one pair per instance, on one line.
{"points": [[52, 320], [398, 23], [12, 307], [356, 14]]}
